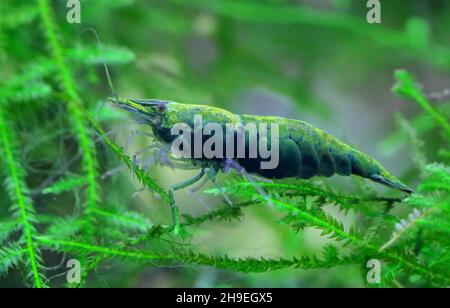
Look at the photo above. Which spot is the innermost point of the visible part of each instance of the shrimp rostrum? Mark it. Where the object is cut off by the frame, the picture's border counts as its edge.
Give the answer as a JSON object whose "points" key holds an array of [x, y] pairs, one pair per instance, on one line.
{"points": [[302, 150]]}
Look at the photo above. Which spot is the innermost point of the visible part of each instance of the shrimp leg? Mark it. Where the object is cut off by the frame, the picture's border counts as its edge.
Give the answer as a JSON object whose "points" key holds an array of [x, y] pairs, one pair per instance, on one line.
{"points": [[173, 207]]}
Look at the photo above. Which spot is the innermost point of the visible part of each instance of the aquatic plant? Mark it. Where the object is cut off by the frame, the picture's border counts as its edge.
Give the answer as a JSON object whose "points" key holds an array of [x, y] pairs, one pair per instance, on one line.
{"points": [[61, 200]]}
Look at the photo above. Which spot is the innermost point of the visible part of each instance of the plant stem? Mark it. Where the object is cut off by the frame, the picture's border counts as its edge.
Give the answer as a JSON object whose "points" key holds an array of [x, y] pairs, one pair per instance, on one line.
{"points": [[400, 233], [224, 262], [373, 249], [140, 174], [23, 202], [75, 105], [406, 86]]}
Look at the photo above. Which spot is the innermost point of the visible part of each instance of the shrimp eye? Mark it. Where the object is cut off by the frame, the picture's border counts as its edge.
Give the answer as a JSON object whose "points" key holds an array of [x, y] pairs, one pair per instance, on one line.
{"points": [[161, 108]]}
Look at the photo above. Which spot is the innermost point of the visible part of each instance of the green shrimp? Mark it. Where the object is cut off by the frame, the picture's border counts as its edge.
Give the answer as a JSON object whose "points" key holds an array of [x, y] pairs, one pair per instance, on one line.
{"points": [[304, 150]]}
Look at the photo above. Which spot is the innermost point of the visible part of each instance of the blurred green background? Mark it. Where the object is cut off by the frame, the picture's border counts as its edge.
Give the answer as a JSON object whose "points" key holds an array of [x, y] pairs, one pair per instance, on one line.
{"points": [[315, 60]]}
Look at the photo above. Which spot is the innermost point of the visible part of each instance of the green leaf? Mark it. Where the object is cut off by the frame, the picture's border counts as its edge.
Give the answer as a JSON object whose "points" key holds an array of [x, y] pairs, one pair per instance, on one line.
{"points": [[8, 227], [17, 189], [407, 87], [125, 219], [10, 256], [65, 185]]}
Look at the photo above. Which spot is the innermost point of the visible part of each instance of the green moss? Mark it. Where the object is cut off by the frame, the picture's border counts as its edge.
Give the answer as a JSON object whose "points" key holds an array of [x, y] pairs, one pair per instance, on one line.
{"points": [[75, 178]]}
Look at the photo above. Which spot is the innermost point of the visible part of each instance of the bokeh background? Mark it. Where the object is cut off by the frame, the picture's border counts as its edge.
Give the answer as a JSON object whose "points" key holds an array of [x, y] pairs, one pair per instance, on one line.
{"points": [[315, 60]]}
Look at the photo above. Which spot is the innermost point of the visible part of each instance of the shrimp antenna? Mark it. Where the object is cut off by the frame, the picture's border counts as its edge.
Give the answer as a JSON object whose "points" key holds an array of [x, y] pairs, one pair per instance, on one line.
{"points": [[108, 75]]}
